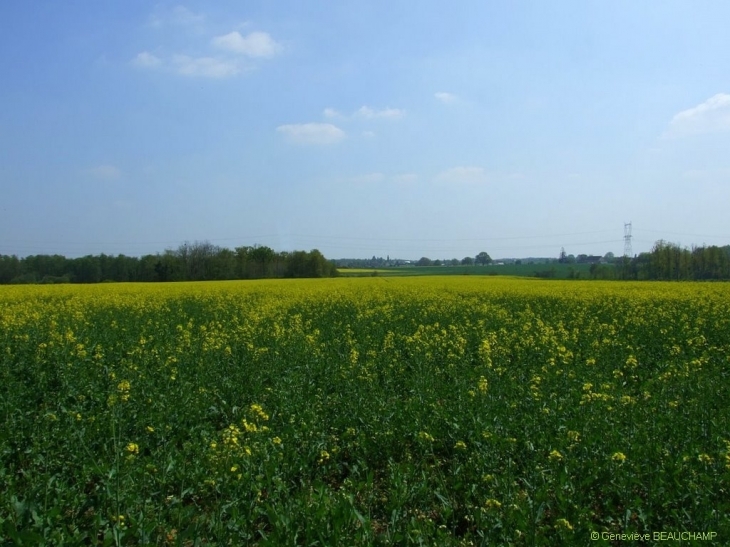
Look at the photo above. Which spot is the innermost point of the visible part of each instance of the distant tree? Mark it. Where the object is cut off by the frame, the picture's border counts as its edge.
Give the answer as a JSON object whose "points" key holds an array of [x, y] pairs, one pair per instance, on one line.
{"points": [[243, 262], [437, 262], [483, 258], [467, 261], [423, 261], [317, 265], [609, 257], [262, 256], [454, 261], [9, 268], [223, 264], [297, 265], [146, 268], [518, 262], [86, 269]]}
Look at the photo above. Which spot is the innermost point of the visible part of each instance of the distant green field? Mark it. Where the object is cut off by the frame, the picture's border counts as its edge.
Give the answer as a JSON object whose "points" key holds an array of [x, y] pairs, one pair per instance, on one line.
{"points": [[557, 271]]}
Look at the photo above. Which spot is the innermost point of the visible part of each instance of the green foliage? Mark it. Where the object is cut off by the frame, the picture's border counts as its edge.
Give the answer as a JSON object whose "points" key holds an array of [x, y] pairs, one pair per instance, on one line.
{"points": [[448, 411], [199, 261], [670, 262]]}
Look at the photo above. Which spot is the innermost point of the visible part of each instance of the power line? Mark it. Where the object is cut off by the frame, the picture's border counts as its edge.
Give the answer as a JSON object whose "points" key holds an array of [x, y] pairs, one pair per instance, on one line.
{"points": [[296, 235], [684, 234]]}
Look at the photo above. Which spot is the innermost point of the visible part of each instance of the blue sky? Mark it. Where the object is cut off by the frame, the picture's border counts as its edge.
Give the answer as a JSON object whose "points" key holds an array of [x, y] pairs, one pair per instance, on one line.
{"points": [[363, 128]]}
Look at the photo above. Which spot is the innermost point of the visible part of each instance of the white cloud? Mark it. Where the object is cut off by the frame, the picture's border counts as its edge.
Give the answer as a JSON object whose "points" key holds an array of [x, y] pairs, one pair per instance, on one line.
{"points": [[370, 113], [312, 133], [365, 113], [179, 15], [462, 175], [206, 67], [332, 113], [256, 44], [368, 134], [104, 172], [708, 117], [405, 178], [445, 97], [146, 60], [367, 178]]}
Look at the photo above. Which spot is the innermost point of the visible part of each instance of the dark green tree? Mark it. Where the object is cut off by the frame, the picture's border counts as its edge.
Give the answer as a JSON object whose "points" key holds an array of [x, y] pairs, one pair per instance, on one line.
{"points": [[483, 258]]}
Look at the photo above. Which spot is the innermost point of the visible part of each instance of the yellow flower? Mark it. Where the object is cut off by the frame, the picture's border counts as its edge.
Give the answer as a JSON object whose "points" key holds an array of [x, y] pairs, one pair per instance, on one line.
{"points": [[619, 457], [425, 436], [555, 456], [705, 458], [574, 436], [563, 523], [257, 410], [483, 384], [493, 504], [276, 440], [133, 448], [461, 445], [150, 429]]}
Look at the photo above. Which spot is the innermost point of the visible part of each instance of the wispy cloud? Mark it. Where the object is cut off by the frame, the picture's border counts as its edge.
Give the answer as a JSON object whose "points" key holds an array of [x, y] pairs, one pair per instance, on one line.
{"points": [[206, 67], [179, 15], [405, 178], [711, 116], [368, 178], [226, 57], [462, 175], [445, 97], [256, 44], [365, 113], [369, 113], [332, 114], [104, 172], [368, 134], [146, 60], [312, 133]]}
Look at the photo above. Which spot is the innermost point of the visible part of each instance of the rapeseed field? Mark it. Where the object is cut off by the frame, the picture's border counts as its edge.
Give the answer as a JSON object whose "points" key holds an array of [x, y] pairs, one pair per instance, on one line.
{"points": [[370, 411]]}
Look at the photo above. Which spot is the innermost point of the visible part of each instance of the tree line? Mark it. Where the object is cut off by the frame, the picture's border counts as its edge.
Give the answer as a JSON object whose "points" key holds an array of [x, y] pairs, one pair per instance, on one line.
{"points": [[670, 262], [199, 261]]}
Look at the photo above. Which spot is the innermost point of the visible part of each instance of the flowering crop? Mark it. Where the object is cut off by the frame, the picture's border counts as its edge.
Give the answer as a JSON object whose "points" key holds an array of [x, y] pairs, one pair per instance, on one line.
{"points": [[449, 411]]}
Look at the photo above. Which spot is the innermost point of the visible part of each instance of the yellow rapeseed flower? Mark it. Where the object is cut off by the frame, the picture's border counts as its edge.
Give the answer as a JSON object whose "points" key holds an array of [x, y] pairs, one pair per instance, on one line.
{"points": [[618, 457], [483, 384]]}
